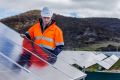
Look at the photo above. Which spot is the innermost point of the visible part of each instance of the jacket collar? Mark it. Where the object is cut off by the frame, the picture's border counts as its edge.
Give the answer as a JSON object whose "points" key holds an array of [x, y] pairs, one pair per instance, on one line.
{"points": [[41, 23]]}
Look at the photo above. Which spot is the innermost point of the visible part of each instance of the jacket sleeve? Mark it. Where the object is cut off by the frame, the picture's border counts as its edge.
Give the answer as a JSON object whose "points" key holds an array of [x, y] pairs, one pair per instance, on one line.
{"points": [[58, 49], [59, 41], [30, 33], [27, 35]]}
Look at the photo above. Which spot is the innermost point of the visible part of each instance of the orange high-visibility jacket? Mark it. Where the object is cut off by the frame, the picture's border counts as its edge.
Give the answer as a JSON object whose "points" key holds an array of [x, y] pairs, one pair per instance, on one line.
{"points": [[50, 38]]}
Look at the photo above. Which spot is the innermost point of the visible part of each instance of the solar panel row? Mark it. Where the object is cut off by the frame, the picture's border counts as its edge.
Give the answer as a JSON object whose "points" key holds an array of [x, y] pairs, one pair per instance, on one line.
{"points": [[82, 58], [11, 48]]}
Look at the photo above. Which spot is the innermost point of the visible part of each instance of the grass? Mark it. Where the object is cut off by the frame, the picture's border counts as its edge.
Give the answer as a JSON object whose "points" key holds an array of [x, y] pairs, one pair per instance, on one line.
{"points": [[93, 68], [116, 66], [95, 46]]}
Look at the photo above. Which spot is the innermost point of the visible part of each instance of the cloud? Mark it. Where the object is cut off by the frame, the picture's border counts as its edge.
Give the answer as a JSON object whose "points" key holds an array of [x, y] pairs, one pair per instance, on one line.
{"points": [[96, 4], [7, 7], [83, 8]]}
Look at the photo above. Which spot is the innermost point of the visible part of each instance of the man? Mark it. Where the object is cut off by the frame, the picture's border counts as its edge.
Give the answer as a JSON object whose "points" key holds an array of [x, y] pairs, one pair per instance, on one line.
{"points": [[47, 35]]}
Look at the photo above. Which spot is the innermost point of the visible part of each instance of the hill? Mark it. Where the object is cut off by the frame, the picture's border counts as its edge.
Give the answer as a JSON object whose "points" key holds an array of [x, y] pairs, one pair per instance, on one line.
{"points": [[78, 32]]}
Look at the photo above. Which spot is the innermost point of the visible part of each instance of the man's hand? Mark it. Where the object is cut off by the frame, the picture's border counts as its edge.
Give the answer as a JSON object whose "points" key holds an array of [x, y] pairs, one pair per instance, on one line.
{"points": [[23, 35]]}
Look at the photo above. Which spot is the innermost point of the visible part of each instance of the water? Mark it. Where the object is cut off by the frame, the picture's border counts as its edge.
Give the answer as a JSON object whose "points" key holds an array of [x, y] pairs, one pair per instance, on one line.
{"points": [[102, 76]]}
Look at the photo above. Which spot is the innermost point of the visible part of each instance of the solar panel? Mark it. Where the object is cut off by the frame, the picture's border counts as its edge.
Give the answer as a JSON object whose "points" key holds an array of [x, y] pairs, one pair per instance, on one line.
{"points": [[69, 70], [67, 56], [6, 72], [108, 62], [82, 58], [101, 56], [11, 46], [117, 53]]}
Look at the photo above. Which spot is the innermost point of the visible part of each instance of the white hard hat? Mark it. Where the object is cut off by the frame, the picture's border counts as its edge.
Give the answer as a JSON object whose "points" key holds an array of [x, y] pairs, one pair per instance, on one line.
{"points": [[46, 12]]}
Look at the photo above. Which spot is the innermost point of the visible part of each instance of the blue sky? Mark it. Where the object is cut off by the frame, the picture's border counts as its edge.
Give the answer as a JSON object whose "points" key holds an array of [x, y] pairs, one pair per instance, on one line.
{"points": [[80, 8]]}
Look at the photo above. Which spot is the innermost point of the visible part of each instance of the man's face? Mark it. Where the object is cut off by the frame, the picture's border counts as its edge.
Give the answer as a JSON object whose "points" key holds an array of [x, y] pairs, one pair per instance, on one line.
{"points": [[46, 20]]}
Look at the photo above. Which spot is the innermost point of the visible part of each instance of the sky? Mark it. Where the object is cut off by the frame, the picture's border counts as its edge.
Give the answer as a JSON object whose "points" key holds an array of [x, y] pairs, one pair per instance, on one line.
{"points": [[74, 8]]}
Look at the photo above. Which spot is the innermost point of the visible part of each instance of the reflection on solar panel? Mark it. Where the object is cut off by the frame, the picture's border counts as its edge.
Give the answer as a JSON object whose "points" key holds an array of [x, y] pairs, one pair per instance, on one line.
{"points": [[109, 62], [82, 58], [6, 72], [11, 48]]}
